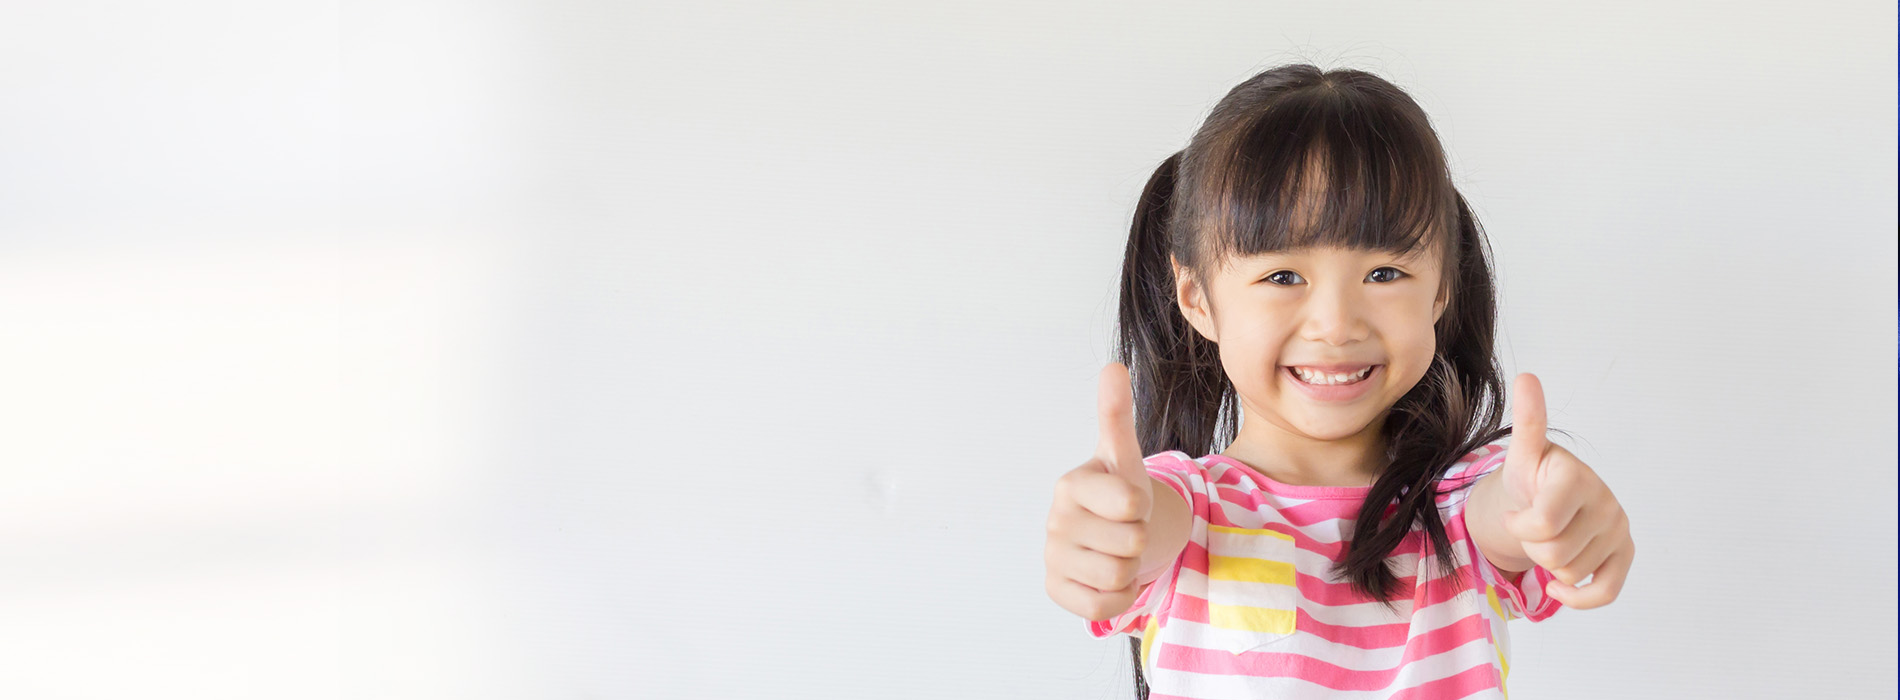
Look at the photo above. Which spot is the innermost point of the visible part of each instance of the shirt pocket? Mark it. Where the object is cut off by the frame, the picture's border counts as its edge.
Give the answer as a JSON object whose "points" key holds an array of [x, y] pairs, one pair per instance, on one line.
{"points": [[1252, 599]]}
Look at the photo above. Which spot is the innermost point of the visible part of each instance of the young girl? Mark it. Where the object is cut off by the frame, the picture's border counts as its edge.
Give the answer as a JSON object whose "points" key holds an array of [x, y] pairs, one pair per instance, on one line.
{"points": [[1304, 286]]}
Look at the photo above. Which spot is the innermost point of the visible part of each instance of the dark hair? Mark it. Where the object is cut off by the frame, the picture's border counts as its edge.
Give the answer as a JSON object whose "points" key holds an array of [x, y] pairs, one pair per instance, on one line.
{"points": [[1295, 157]]}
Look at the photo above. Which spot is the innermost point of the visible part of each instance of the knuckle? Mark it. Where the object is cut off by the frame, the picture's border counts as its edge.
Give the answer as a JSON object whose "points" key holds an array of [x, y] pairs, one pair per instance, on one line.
{"points": [[1104, 606], [1544, 526], [1530, 526], [1098, 579], [1537, 550], [1126, 504], [1123, 575], [1559, 474], [1138, 540], [1065, 486]]}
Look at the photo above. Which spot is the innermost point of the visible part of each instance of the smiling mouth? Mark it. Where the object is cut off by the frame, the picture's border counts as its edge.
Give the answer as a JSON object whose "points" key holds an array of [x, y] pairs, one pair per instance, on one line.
{"points": [[1318, 378]]}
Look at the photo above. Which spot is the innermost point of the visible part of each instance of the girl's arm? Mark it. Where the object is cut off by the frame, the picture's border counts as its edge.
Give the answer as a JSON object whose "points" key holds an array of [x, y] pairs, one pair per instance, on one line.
{"points": [[1170, 524], [1484, 522], [1547, 508]]}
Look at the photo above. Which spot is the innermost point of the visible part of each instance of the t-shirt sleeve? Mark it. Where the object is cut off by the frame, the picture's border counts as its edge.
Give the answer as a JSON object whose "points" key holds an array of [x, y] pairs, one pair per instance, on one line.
{"points": [[1187, 477], [1516, 596]]}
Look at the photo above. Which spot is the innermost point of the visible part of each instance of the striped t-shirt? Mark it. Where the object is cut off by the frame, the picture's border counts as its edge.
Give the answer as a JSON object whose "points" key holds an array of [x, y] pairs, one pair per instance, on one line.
{"points": [[1251, 608]]}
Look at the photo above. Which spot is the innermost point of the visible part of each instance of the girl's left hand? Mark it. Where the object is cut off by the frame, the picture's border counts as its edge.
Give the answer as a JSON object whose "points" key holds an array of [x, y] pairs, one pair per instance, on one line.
{"points": [[1563, 514]]}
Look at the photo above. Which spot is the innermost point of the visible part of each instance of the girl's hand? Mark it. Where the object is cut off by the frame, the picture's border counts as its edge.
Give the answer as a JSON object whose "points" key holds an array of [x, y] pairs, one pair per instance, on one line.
{"points": [[1098, 526], [1560, 511]]}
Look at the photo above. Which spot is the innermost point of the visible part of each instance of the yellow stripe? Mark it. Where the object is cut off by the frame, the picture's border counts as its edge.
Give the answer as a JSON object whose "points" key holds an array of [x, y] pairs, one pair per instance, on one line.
{"points": [[1491, 594], [1249, 569], [1232, 568], [1147, 643], [1506, 673], [1241, 617]]}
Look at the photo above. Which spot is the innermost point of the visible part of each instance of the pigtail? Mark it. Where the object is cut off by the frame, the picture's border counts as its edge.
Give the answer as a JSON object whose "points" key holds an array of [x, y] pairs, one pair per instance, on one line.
{"points": [[1182, 398]]}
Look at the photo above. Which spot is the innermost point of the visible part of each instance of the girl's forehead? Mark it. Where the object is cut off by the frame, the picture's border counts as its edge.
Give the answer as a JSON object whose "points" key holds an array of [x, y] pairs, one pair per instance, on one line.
{"points": [[1420, 252]]}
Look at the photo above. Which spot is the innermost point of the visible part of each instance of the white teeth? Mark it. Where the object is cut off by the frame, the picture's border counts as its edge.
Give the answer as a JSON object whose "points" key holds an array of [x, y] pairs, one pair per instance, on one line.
{"points": [[1322, 378]]}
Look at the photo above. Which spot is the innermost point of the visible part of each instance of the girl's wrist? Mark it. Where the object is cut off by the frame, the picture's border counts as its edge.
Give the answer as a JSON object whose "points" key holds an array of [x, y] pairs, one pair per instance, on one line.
{"points": [[1488, 501]]}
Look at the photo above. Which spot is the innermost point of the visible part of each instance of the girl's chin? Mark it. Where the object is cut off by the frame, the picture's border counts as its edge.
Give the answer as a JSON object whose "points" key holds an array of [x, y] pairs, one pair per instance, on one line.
{"points": [[1334, 422], [1330, 432]]}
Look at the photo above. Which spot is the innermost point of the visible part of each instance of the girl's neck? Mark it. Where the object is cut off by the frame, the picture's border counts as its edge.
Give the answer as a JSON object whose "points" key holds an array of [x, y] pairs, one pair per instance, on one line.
{"points": [[1352, 461]]}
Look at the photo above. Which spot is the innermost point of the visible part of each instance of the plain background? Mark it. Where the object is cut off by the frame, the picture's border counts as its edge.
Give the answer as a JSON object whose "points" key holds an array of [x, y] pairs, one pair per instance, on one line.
{"points": [[713, 350]]}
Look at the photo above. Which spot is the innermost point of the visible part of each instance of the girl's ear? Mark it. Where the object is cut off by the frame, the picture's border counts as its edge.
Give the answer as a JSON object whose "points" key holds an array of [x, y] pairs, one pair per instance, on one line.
{"points": [[1439, 304], [1191, 295]]}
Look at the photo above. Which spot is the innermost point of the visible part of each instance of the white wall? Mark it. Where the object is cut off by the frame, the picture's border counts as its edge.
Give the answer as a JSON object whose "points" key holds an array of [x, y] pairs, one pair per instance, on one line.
{"points": [[690, 350]]}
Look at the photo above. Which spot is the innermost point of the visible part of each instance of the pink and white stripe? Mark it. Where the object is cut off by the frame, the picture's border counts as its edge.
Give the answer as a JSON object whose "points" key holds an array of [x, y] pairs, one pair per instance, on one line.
{"points": [[1248, 630]]}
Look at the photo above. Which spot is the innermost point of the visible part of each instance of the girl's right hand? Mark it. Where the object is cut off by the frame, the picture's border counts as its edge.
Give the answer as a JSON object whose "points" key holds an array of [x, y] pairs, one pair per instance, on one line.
{"points": [[1098, 526]]}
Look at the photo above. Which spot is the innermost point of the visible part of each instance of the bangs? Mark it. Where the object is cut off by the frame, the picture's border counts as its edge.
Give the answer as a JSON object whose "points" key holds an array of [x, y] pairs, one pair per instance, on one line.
{"points": [[1323, 168]]}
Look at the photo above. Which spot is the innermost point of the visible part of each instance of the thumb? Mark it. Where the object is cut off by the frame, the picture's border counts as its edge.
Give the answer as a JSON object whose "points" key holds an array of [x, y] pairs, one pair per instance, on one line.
{"points": [[1523, 461], [1115, 408]]}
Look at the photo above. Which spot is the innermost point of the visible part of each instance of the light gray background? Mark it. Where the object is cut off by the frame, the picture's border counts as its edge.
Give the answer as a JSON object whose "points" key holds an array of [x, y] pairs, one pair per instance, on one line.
{"points": [[594, 350]]}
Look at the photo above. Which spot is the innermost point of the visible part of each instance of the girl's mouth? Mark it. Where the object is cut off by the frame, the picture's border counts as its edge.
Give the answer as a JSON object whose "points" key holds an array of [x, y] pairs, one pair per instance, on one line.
{"points": [[1332, 386]]}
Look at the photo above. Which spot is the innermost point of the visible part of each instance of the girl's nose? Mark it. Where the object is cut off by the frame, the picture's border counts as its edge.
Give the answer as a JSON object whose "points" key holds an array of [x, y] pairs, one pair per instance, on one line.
{"points": [[1334, 316]]}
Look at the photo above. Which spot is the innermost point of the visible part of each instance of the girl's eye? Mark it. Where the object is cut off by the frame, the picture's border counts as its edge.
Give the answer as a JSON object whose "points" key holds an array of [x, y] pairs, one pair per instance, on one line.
{"points": [[1396, 274], [1288, 275]]}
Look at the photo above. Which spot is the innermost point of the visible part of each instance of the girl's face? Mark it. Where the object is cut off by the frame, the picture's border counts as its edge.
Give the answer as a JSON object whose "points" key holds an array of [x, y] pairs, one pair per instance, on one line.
{"points": [[1328, 312]]}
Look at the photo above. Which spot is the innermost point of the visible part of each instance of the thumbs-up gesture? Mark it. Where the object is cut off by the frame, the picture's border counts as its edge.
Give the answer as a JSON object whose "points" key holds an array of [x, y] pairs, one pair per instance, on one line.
{"points": [[1556, 507], [1098, 527]]}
